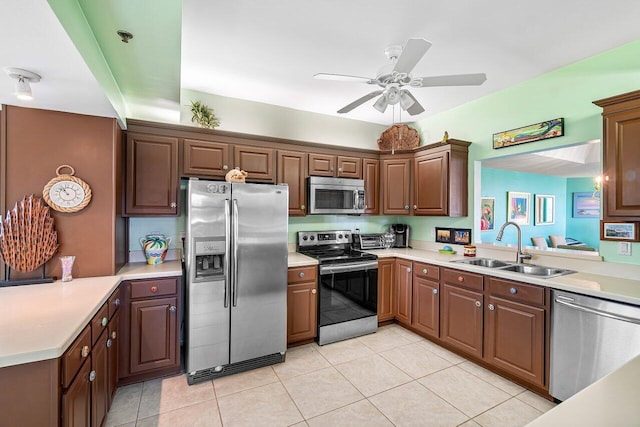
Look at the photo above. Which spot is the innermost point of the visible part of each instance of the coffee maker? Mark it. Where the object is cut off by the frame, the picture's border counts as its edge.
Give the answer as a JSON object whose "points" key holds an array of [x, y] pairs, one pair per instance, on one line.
{"points": [[401, 231]]}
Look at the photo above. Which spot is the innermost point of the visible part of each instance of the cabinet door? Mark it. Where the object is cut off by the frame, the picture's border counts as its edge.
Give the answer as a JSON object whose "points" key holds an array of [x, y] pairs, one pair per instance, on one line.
{"points": [[386, 277], [100, 382], [431, 176], [259, 163], [461, 319], [292, 170], [153, 334], [621, 154], [76, 400], [426, 306], [514, 339], [301, 311], [349, 167], [151, 175], [396, 185], [403, 291], [113, 345], [371, 175], [205, 158], [322, 164]]}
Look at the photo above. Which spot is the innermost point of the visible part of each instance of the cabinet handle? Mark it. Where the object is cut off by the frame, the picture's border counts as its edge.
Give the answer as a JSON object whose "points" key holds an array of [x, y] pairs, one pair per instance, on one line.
{"points": [[425, 271], [172, 309], [225, 167], [154, 289], [331, 169], [435, 291], [113, 335], [302, 207], [406, 207], [92, 376], [173, 204], [460, 279], [313, 291], [415, 207], [408, 269], [84, 351], [492, 307], [513, 291], [117, 302], [339, 169], [109, 343], [104, 321], [301, 274], [478, 304]]}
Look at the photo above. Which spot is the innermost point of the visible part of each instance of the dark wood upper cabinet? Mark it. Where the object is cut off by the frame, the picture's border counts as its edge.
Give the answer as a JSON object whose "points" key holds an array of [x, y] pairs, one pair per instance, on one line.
{"points": [[396, 186], [151, 175], [349, 167], [258, 162], [621, 149], [292, 170], [205, 158], [322, 164], [431, 181], [386, 280], [371, 176]]}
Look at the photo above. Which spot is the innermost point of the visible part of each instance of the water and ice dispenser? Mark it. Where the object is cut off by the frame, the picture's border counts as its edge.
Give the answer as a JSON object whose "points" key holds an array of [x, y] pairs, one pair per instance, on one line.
{"points": [[210, 258]]}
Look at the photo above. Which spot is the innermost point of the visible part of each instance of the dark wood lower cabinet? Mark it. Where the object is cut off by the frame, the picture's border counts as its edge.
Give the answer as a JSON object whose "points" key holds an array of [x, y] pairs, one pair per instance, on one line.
{"points": [[301, 311], [76, 400], [386, 279], [99, 378], [153, 334], [403, 292], [461, 319], [426, 306], [113, 344]]}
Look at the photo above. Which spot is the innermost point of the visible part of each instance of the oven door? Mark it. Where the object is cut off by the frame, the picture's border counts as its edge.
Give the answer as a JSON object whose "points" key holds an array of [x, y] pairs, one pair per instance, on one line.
{"points": [[347, 292]]}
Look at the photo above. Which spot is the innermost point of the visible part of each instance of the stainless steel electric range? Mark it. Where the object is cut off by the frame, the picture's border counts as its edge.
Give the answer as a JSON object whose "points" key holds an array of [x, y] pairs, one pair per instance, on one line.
{"points": [[347, 285]]}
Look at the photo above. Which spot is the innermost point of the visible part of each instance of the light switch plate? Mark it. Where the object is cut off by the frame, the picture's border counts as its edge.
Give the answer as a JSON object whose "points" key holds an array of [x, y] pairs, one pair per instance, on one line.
{"points": [[624, 248]]}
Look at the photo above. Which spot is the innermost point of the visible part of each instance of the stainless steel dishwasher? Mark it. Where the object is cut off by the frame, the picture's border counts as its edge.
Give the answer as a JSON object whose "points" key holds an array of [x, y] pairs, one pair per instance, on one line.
{"points": [[590, 338]]}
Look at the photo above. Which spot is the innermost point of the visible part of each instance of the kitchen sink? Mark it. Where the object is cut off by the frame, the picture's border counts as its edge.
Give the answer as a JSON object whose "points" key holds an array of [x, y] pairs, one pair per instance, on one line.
{"points": [[484, 262], [526, 269]]}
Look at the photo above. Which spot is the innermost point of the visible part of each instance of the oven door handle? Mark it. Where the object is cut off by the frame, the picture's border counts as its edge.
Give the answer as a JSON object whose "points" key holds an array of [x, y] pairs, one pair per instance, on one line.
{"points": [[344, 268]]}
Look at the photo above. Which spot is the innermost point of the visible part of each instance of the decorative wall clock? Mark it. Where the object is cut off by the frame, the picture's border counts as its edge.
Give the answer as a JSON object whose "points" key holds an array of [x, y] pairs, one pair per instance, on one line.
{"points": [[67, 193]]}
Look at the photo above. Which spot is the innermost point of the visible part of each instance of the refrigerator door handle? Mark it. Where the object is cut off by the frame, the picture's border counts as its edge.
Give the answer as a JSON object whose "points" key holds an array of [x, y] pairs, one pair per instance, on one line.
{"points": [[235, 252], [227, 240]]}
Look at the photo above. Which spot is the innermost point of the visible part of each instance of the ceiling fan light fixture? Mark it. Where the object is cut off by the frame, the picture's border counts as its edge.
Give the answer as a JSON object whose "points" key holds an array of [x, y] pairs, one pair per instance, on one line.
{"points": [[406, 101], [23, 77], [381, 104], [23, 90], [393, 95]]}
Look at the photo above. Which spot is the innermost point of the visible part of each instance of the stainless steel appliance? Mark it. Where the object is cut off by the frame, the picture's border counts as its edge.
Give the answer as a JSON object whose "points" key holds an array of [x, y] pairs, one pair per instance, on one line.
{"points": [[236, 269], [329, 195], [369, 241], [401, 231], [590, 338], [348, 285]]}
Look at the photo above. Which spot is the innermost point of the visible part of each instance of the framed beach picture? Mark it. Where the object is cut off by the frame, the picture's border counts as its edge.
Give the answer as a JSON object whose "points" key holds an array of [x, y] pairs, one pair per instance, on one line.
{"points": [[443, 235], [461, 236], [585, 205], [518, 207], [487, 219], [543, 130], [619, 230]]}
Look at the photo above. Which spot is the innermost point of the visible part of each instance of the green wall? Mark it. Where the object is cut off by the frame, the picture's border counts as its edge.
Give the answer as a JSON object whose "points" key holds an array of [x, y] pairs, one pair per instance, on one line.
{"points": [[567, 92]]}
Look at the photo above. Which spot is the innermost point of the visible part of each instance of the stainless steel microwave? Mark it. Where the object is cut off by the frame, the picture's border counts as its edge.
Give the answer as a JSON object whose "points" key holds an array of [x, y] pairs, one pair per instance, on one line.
{"points": [[329, 196]]}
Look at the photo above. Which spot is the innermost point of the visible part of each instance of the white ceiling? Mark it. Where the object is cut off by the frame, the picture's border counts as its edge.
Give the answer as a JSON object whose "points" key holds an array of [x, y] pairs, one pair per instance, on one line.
{"points": [[269, 50], [576, 161]]}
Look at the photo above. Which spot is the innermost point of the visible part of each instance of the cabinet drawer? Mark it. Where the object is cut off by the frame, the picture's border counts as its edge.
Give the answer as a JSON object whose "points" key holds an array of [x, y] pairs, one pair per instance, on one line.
{"points": [[99, 322], [516, 291], [302, 274], [114, 302], [462, 278], [426, 271], [153, 288], [75, 355]]}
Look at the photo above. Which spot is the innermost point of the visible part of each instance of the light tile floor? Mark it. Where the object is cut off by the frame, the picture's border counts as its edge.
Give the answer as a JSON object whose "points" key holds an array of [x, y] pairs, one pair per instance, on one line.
{"points": [[392, 377]]}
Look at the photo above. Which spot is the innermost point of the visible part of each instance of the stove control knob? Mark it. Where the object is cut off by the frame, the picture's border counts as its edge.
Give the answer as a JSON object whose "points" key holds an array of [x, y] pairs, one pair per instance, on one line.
{"points": [[339, 236], [346, 236], [312, 238], [305, 238]]}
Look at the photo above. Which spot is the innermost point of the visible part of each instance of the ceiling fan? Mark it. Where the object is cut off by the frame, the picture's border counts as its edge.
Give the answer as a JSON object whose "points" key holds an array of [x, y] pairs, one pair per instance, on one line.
{"points": [[395, 76]]}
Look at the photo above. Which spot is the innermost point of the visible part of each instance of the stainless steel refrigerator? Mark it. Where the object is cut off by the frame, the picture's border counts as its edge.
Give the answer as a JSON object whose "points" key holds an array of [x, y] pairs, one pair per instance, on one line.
{"points": [[236, 268]]}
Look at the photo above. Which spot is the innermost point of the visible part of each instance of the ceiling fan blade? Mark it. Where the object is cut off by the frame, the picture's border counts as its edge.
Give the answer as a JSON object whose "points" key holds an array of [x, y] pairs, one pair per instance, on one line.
{"points": [[413, 52], [344, 78], [416, 108], [454, 80], [359, 102]]}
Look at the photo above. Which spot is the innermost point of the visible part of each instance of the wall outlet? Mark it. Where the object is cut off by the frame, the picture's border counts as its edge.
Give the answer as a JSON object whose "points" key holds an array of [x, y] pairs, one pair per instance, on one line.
{"points": [[181, 235], [624, 248]]}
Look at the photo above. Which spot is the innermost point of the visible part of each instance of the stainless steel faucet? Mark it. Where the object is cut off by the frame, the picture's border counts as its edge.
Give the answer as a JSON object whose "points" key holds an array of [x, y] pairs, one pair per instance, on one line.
{"points": [[520, 255]]}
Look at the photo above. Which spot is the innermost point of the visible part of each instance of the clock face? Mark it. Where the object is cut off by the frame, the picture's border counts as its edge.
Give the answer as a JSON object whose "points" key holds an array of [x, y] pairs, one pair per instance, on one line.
{"points": [[67, 194]]}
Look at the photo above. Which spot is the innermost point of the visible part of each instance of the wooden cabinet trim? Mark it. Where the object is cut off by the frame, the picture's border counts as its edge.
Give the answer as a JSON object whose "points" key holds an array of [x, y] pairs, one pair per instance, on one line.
{"points": [[386, 289], [99, 322]]}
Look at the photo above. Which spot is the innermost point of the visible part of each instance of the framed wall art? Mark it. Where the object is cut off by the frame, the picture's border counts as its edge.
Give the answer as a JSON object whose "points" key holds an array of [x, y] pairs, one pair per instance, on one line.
{"points": [[487, 218], [585, 205], [545, 212], [543, 130], [619, 230], [518, 207]]}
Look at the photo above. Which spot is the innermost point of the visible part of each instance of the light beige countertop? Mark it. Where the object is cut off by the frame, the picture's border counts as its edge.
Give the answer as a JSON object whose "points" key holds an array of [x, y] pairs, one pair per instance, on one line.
{"points": [[597, 285], [610, 401], [39, 322], [299, 260]]}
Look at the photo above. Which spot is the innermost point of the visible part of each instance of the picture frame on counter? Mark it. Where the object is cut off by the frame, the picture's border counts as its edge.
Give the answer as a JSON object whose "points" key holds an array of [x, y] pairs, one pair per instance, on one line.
{"points": [[621, 231], [457, 236]]}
